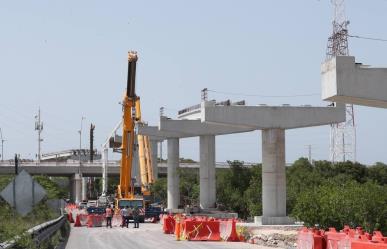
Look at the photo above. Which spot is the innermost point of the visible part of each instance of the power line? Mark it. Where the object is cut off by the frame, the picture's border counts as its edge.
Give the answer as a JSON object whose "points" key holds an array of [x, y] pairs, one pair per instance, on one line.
{"points": [[368, 38], [263, 96]]}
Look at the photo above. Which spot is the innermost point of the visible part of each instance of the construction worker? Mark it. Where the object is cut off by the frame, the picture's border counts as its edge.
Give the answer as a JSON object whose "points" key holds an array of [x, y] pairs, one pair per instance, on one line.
{"points": [[109, 216], [125, 215], [136, 216]]}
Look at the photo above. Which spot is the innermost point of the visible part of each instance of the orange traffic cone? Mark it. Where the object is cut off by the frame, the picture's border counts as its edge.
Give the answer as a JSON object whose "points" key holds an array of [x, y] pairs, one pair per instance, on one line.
{"points": [[77, 221], [177, 227], [233, 235], [70, 217]]}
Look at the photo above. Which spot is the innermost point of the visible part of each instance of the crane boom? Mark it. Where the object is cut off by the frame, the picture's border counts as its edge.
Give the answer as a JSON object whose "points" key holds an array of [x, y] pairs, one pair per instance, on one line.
{"points": [[127, 194], [125, 189]]}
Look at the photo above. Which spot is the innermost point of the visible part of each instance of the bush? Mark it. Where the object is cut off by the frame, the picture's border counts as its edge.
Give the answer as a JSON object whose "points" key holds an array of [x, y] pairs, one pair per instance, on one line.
{"points": [[349, 203]]}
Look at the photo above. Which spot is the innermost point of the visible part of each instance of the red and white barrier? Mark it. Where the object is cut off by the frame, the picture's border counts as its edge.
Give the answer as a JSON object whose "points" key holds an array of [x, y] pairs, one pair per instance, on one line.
{"points": [[201, 229], [346, 239]]}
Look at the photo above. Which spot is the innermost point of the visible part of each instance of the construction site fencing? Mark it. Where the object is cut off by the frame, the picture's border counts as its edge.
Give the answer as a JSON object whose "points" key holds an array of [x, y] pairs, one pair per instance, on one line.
{"points": [[92, 220], [200, 228], [96, 220], [347, 238]]}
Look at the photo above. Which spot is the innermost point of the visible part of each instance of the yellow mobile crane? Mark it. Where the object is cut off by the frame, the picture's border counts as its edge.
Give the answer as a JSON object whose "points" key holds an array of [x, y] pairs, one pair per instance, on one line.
{"points": [[146, 164], [126, 192]]}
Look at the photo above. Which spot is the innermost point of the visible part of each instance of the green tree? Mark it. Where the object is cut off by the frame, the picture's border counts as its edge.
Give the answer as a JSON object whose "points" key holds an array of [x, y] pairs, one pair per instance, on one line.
{"points": [[300, 177], [159, 190], [378, 173], [231, 186], [349, 203], [52, 188], [189, 187], [253, 194]]}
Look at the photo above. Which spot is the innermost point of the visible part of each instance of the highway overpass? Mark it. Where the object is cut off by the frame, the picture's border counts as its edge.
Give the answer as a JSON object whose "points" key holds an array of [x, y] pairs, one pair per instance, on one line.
{"points": [[94, 169]]}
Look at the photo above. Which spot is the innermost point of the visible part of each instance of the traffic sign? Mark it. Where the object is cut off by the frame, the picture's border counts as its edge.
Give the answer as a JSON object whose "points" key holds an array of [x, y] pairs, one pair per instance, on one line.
{"points": [[23, 193]]}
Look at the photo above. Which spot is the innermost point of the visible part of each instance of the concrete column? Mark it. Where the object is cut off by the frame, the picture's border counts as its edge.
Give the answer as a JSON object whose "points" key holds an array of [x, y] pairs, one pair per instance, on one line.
{"points": [[104, 170], [84, 188], [273, 174], [154, 158], [173, 177], [76, 188], [207, 172]]}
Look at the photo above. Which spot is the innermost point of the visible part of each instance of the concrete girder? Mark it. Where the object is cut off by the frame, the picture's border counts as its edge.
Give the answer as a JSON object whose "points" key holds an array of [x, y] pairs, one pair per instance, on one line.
{"points": [[345, 81], [155, 133], [193, 128], [269, 117]]}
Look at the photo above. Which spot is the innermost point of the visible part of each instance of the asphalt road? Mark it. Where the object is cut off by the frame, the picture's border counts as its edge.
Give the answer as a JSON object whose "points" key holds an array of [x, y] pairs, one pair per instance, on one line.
{"points": [[147, 236]]}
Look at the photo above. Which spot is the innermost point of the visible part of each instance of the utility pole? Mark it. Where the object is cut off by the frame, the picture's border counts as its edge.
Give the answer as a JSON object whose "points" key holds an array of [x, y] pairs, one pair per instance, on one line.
{"points": [[343, 135], [204, 94], [92, 127], [39, 128], [91, 179], [2, 145], [16, 164], [83, 180], [80, 145]]}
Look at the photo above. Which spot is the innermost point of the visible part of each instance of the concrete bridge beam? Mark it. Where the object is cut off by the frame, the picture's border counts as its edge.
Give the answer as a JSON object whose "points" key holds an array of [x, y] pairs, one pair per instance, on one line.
{"points": [[345, 81]]}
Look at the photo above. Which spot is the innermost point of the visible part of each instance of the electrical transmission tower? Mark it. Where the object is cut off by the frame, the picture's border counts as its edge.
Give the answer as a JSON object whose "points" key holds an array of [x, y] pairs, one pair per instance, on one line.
{"points": [[343, 135]]}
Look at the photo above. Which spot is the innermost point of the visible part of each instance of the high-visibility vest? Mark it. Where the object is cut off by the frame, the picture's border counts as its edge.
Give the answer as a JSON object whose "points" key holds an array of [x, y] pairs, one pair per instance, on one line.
{"points": [[109, 212]]}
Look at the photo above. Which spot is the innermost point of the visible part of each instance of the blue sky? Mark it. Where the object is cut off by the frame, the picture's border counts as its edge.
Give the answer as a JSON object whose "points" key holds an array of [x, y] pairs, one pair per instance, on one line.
{"points": [[69, 58]]}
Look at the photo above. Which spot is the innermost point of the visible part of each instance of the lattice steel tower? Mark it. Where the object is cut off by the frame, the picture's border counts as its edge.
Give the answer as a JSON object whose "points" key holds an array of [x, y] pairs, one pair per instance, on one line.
{"points": [[343, 135]]}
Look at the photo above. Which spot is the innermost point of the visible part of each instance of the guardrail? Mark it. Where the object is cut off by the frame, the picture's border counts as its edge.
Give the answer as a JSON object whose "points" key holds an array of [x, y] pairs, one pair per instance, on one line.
{"points": [[38, 233], [110, 164], [74, 164]]}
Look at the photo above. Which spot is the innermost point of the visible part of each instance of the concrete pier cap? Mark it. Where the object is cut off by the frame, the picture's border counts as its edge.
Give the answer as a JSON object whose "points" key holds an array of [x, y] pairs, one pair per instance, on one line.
{"points": [[345, 81], [273, 121]]}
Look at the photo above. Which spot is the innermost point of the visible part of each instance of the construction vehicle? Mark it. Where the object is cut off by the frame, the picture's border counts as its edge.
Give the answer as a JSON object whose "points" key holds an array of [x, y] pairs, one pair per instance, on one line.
{"points": [[127, 193]]}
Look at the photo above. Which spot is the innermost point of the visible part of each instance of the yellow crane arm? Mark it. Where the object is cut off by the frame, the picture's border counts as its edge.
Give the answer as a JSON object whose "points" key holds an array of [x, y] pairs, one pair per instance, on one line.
{"points": [[125, 189]]}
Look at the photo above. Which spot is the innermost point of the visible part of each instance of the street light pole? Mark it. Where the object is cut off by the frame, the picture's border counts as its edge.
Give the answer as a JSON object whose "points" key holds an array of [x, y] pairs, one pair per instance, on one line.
{"points": [[80, 145]]}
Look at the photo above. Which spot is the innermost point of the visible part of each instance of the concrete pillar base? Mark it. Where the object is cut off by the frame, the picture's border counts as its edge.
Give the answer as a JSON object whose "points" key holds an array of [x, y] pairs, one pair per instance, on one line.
{"points": [[285, 220]]}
